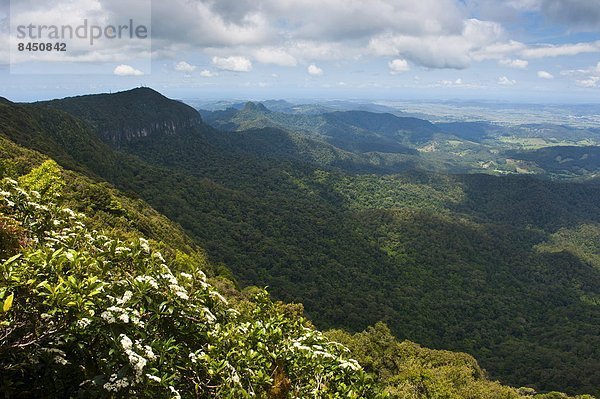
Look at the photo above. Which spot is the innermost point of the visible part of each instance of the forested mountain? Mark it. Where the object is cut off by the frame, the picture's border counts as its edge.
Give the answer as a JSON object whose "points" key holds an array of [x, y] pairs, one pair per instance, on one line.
{"points": [[388, 143], [357, 131], [476, 263]]}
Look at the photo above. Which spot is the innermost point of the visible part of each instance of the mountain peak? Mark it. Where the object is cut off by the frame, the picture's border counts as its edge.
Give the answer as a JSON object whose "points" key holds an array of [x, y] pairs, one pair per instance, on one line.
{"points": [[127, 115], [251, 106]]}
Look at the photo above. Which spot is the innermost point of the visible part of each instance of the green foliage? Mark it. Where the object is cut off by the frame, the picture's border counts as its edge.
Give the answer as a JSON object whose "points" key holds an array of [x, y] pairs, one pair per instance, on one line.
{"points": [[407, 370], [45, 179], [87, 315]]}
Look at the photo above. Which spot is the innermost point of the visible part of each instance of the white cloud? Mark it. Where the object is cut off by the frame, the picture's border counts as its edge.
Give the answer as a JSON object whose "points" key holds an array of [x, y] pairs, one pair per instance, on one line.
{"points": [[456, 83], [398, 66], [233, 63], [183, 66], [205, 73], [545, 75], [455, 50], [277, 56], [127, 70], [314, 70], [561, 50], [429, 33], [591, 82], [504, 81], [516, 63], [587, 77]]}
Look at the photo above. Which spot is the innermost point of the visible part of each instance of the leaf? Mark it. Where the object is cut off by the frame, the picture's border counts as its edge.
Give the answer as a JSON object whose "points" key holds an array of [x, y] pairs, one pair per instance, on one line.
{"points": [[8, 303], [12, 259]]}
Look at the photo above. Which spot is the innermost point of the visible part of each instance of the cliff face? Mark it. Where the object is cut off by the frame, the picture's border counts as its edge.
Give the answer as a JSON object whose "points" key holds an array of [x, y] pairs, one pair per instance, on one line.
{"points": [[126, 133]]}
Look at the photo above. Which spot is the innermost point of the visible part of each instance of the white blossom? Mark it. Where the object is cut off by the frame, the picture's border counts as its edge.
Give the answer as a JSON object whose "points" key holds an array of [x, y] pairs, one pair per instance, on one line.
{"points": [[125, 298], [175, 393], [126, 342], [115, 385], [144, 244], [149, 352], [83, 323], [60, 360], [154, 378]]}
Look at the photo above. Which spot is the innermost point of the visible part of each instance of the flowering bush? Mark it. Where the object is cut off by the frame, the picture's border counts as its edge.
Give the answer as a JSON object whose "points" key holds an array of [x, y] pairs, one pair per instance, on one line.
{"points": [[87, 315]]}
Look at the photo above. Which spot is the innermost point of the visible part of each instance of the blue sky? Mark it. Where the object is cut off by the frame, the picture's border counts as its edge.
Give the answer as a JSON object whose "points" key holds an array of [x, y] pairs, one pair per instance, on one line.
{"points": [[510, 50]]}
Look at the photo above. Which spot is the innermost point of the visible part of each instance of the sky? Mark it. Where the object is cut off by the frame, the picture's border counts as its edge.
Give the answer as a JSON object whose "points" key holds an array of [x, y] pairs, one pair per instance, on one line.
{"points": [[510, 50]]}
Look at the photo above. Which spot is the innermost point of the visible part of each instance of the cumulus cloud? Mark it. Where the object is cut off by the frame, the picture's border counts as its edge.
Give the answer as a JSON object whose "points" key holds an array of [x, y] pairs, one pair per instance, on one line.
{"points": [[517, 63], [443, 51], [205, 73], [314, 70], [183, 66], [590, 82], [504, 81], [431, 33], [545, 75], [398, 66], [586, 77], [233, 63], [127, 70]]}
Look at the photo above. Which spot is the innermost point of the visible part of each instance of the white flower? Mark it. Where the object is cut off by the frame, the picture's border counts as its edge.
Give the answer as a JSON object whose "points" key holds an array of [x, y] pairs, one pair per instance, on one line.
{"points": [[158, 256], [176, 394], [186, 275], [170, 278], [144, 244], [108, 317], [350, 364], [147, 279], [83, 323], [201, 274], [209, 316], [125, 298], [179, 291], [60, 360], [125, 342], [149, 352], [216, 295], [153, 378], [136, 361], [115, 385]]}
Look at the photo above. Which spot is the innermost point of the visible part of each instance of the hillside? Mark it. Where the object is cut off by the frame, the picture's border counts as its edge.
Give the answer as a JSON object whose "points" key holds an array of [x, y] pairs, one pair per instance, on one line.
{"points": [[472, 263]]}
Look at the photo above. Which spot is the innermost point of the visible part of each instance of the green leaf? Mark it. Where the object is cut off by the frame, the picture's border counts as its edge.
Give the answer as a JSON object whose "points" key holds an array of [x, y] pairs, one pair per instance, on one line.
{"points": [[12, 259], [8, 303]]}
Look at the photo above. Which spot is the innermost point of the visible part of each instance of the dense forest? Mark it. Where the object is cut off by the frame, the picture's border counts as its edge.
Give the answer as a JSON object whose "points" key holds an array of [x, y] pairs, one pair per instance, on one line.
{"points": [[503, 268]]}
